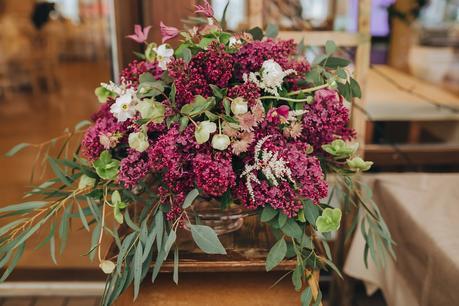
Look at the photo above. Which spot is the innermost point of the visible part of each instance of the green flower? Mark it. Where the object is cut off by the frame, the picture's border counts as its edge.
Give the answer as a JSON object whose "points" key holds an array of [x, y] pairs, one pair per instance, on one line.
{"points": [[106, 167], [358, 164], [118, 205], [103, 94], [138, 141], [203, 131], [340, 149], [150, 54], [151, 110], [329, 221], [86, 181]]}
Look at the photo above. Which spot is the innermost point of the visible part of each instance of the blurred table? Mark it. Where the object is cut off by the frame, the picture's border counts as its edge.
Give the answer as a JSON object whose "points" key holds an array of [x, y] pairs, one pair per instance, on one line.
{"points": [[421, 211], [396, 97]]}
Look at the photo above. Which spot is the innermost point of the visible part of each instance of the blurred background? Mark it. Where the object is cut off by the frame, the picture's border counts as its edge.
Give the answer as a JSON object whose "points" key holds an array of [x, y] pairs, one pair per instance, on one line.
{"points": [[54, 53]]}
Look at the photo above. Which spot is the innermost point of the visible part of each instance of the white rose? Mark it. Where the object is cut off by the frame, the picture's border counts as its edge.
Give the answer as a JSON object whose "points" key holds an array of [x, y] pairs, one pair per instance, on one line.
{"points": [[239, 106], [138, 141], [220, 142]]}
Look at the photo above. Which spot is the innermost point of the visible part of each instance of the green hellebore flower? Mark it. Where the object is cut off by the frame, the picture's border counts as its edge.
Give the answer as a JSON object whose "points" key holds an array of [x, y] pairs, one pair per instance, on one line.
{"points": [[220, 142], [138, 141], [151, 110], [150, 53], [340, 149], [358, 164], [118, 205], [329, 221], [203, 131], [239, 106], [106, 167], [103, 94], [86, 181]]}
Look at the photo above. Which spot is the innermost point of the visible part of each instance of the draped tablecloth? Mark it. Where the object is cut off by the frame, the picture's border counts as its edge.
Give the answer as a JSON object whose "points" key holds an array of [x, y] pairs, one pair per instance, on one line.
{"points": [[422, 213]]}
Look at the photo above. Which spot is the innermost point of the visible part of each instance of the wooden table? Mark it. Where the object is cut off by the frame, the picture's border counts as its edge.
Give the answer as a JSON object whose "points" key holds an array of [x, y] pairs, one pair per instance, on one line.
{"points": [[394, 96]]}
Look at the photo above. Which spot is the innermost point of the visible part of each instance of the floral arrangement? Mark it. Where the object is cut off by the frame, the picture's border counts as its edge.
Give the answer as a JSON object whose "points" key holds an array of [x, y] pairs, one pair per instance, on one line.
{"points": [[236, 117]]}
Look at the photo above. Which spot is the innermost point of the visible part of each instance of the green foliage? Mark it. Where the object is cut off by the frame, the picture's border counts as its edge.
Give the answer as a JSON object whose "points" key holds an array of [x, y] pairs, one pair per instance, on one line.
{"points": [[106, 167], [329, 220], [206, 239], [276, 254]]}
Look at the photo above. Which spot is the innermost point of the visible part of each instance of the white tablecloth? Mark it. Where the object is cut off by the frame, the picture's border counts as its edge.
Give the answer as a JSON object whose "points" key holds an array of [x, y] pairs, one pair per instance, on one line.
{"points": [[422, 212]]}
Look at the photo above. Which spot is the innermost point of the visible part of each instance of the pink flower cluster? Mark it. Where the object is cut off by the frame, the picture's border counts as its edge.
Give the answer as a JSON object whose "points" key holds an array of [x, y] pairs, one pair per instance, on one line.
{"points": [[213, 66], [327, 118]]}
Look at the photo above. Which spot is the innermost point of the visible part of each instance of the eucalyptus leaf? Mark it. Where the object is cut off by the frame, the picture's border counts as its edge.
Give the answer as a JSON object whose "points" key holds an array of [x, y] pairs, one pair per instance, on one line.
{"points": [[137, 269], [190, 197], [176, 266], [13, 151], [206, 239], [268, 214], [24, 206], [169, 242], [297, 276], [292, 229], [306, 297], [276, 254], [272, 30]]}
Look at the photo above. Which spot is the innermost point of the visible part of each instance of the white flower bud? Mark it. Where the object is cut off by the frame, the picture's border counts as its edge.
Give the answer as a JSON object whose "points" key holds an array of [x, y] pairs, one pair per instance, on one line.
{"points": [[220, 142], [239, 106], [107, 266]]}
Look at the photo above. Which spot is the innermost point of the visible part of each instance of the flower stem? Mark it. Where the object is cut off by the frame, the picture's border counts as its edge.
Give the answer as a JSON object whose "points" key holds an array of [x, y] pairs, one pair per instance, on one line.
{"points": [[306, 90], [284, 99]]}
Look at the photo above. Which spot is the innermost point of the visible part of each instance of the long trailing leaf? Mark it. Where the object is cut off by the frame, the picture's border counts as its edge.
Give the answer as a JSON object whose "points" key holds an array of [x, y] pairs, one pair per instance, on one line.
{"points": [[159, 221], [82, 217], [58, 171], [13, 262], [94, 241], [129, 221], [137, 269], [26, 206], [6, 228], [169, 242], [123, 252], [64, 228], [16, 149]]}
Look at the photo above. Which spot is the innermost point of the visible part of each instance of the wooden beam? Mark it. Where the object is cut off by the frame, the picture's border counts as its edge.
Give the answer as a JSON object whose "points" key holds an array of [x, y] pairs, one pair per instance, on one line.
{"points": [[413, 154], [319, 38]]}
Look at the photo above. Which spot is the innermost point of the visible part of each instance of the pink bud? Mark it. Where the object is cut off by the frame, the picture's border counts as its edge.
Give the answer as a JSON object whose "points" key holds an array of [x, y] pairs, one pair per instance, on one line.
{"points": [[140, 34], [205, 9], [168, 32]]}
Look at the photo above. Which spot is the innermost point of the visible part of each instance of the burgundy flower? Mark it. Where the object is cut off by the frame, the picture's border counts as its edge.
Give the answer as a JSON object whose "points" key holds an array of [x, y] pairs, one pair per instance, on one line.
{"points": [[168, 32], [140, 34], [205, 9]]}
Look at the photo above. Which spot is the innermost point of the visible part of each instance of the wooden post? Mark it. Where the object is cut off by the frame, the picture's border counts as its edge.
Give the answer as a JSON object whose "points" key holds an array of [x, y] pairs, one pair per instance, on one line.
{"points": [[342, 290], [362, 66], [255, 13]]}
